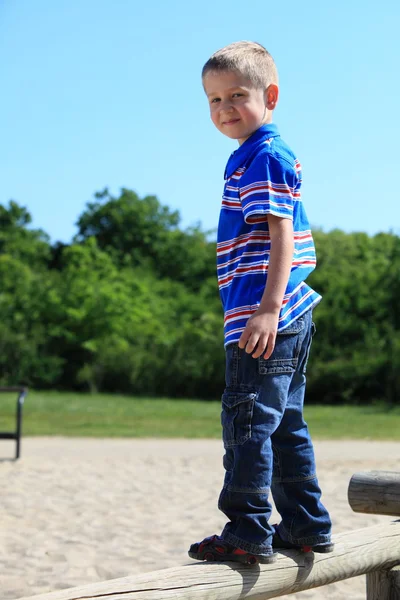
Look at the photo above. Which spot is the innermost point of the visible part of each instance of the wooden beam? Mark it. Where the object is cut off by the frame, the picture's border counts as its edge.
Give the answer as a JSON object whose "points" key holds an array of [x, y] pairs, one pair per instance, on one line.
{"points": [[356, 553], [376, 492], [384, 585]]}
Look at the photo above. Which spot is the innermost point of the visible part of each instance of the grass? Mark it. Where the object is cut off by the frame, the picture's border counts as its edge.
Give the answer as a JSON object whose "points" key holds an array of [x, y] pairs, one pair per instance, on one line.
{"points": [[101, 415]]}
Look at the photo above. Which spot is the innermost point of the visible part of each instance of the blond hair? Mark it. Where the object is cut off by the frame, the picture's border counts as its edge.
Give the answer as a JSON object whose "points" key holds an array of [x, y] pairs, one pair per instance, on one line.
{"points": [[250, 59]]}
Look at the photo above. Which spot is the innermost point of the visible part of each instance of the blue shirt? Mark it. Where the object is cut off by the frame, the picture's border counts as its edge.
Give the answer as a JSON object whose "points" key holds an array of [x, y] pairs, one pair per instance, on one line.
{"points": [[262, 177]]}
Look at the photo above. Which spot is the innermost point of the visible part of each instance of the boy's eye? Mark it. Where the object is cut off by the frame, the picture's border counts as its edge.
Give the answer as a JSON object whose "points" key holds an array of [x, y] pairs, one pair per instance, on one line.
{"points": [[237, 94], [215, 100]]}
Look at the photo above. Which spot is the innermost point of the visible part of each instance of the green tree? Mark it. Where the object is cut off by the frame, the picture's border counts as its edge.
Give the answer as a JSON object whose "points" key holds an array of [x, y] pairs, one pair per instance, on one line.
{"points": [[350, 356], [143, 233], [29, 305], [31, 246]]}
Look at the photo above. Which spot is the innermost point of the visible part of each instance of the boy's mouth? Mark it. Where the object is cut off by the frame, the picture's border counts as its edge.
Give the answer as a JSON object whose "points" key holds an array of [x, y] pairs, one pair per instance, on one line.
{"points": [[231, 122]]}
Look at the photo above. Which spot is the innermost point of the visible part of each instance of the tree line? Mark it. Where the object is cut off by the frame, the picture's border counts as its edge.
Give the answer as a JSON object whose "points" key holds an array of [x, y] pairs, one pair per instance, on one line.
{"points": [[131, 305]]}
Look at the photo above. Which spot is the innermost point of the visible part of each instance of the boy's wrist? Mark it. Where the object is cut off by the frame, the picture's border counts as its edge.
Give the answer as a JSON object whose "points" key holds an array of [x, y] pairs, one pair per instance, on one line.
{"points": [[272, 308]]}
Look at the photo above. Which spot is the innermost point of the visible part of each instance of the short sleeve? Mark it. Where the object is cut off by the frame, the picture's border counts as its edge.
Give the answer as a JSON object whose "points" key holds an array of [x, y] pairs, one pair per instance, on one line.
{"points": [[267, 188]]}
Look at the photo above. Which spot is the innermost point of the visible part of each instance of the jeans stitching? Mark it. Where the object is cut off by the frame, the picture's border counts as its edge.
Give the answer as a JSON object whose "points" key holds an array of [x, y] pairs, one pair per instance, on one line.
{"points": [[244, 490], [294, 479], [311, 334], [235, 365], [292, 521], [277, 456]]}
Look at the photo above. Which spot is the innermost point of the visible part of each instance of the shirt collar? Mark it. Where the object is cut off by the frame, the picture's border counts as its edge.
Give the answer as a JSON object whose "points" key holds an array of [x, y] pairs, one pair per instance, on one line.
{"points": [[240, 156]]}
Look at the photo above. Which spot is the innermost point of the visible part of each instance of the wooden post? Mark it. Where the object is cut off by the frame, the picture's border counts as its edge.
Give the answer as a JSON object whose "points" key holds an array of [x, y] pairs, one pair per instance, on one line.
{"points": [[376, 492], [384, 585]]}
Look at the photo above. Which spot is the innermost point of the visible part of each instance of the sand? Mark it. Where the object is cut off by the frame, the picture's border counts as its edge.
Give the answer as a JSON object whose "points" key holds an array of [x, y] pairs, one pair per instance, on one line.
{"points": [[76, 511]]}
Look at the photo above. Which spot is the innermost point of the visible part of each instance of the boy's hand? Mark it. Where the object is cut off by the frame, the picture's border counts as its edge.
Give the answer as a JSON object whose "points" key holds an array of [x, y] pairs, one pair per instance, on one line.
{"points": [[260, 333]]}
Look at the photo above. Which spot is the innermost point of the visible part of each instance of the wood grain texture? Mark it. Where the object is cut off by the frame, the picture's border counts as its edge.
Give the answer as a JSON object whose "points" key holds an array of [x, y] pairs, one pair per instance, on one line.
{"points": [[384, 585], [356, 553], [375, 492]]}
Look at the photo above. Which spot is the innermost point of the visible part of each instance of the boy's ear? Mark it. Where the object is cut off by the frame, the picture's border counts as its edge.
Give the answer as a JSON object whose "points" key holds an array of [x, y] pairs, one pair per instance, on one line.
{"points": [[271, 96]]}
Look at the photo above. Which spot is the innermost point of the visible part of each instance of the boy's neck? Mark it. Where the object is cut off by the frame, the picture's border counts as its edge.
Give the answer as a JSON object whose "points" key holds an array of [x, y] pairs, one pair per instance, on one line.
{"points": [[268, 122]]}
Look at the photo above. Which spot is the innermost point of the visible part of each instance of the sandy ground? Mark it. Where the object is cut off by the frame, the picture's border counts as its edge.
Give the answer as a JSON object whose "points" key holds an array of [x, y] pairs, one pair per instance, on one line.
{"points": [[75, 511]]}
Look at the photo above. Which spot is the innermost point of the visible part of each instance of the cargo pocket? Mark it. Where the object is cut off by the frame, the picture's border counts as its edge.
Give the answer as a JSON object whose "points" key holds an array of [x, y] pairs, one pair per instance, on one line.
{"points": [[236, 417], [285, 356]]}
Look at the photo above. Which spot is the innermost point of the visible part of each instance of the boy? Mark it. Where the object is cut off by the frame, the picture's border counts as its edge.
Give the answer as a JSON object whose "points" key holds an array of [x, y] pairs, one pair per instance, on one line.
{"points": [[265, 251]]}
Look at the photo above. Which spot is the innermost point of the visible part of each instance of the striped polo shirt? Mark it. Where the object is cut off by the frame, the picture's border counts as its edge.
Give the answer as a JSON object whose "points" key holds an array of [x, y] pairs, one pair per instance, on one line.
{"points": [[262, 177]]}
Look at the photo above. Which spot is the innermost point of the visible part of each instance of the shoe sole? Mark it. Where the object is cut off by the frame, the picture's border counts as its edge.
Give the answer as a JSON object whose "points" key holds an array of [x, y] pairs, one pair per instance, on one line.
{"points": [[322, 549], [246, 559]]}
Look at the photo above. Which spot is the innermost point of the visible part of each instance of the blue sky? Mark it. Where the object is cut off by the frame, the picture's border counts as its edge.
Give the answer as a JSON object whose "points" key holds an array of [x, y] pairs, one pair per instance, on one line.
{"points": [[100, 93]]}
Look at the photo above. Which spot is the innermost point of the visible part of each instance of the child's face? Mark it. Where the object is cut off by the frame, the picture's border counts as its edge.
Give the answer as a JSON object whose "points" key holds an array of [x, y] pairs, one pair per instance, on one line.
{"points": [[237, 108]]}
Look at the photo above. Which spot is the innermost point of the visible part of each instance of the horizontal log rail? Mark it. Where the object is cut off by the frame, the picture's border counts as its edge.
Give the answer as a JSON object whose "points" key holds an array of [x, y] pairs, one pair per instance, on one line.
{"points": [[375, 492], [356, 553]]}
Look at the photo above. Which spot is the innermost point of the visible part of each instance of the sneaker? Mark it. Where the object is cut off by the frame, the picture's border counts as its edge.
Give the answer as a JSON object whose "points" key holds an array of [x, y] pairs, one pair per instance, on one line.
{"points": [[279, 544], [214, 548]]}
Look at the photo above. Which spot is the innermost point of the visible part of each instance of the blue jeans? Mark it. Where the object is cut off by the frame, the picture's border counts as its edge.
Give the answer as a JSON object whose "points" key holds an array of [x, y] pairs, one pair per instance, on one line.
{"points": [[268, 447]]}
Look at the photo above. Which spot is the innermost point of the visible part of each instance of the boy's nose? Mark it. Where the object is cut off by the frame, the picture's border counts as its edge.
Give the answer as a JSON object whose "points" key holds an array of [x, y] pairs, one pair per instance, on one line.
{"points": [[226, 106]]}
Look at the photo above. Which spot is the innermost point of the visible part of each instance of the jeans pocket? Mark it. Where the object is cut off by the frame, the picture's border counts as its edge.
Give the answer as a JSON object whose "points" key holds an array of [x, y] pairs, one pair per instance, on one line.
{"points": [[285, 356], [236, 417]]}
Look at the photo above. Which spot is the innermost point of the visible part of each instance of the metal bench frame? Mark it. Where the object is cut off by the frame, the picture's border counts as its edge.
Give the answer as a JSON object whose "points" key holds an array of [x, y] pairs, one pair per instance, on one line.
{"points": [[4, 435]]}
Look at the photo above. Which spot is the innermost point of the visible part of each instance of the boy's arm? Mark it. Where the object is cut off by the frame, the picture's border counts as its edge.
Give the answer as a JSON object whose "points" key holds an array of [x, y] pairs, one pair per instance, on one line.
{"points": [[261, 328]]}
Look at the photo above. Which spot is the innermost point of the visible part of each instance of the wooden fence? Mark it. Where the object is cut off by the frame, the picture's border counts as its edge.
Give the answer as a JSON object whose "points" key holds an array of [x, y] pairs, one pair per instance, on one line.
{"points": [[374, 551]]}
